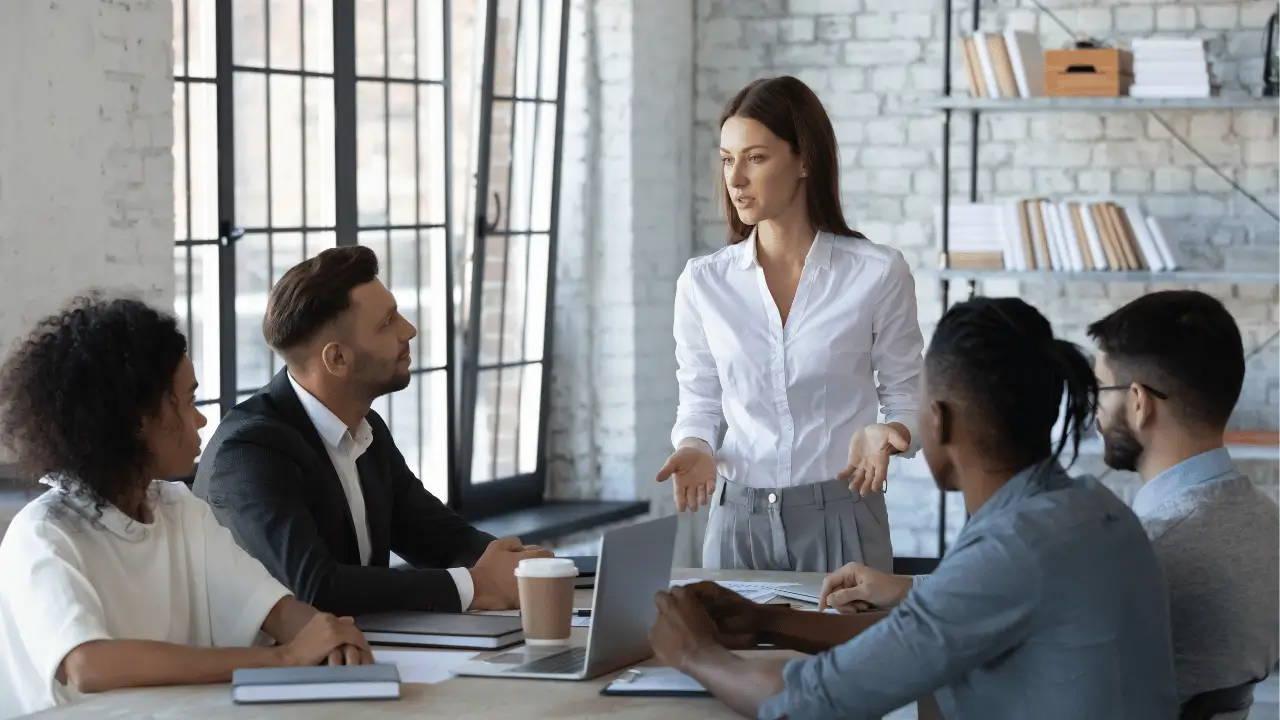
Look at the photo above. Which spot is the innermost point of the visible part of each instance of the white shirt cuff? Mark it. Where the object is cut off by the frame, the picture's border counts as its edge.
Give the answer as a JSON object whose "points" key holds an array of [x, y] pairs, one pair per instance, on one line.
{"points": [[705, 434], [466, 587], [912, 426]]}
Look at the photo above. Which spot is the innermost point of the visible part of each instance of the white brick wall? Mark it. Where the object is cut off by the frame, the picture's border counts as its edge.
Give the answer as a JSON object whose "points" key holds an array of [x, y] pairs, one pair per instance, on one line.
{"points": [[86, 166], [889, 155], [625, 233]]}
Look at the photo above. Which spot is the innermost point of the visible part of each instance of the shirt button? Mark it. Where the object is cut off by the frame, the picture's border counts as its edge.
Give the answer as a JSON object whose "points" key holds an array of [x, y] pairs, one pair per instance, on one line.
{"points": [[773, 498]]}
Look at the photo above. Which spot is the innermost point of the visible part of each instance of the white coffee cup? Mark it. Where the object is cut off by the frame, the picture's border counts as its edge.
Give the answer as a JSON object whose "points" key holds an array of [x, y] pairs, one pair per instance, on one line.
{"points": [[546, 599]]}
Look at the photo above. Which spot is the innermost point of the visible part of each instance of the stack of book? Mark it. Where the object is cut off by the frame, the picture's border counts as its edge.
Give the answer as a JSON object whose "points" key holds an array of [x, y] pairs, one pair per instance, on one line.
{"points": [[1009, 65], [1170, 68], [1040, 234]]}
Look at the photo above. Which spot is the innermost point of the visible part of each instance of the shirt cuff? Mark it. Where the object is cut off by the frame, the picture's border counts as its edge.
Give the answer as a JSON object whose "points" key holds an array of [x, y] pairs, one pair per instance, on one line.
{"points": [[705, 434], [912, 427], [800, 697], [466, 587]]}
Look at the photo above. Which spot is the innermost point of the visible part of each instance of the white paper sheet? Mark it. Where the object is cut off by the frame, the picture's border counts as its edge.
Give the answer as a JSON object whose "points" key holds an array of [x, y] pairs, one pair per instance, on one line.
{"points": [[759, 592], [655, 679], [424, 666]]}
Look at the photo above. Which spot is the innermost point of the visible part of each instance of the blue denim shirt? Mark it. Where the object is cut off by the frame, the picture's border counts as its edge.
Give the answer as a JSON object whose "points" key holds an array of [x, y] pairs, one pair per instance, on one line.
{"points": [[1050, 604]]}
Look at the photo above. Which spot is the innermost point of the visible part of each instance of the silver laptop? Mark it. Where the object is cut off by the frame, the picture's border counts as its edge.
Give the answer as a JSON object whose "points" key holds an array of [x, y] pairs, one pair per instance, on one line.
{"points": [[635, 563]]}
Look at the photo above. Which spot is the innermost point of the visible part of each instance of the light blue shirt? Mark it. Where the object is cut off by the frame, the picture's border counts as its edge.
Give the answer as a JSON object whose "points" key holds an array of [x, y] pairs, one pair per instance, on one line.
{"points": [[1186, 475], [1049, 605]]}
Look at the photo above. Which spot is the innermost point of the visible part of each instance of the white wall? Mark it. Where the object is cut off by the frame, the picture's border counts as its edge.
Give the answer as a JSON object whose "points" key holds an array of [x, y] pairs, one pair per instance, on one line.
{"points": [[86, 166]]}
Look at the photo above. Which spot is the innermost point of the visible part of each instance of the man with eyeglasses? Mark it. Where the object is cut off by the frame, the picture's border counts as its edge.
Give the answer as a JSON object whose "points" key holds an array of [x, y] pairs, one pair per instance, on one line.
{"points": [[1170, 369]]}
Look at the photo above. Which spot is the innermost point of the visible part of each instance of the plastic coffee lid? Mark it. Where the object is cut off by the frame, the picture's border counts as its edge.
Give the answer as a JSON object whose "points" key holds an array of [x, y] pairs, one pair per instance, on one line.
{"points": [[546, 568]]}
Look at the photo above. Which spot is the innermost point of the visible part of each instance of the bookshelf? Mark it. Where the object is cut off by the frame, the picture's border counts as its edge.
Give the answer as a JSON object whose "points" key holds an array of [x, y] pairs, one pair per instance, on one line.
{"points": [[948, 105], [1093, 448], [1099, 105], [1114, 276]]}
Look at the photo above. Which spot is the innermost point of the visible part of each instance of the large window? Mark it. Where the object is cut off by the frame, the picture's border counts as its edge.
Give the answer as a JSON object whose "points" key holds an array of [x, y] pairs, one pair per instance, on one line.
{"points": [[305, 124], [513, 243]]}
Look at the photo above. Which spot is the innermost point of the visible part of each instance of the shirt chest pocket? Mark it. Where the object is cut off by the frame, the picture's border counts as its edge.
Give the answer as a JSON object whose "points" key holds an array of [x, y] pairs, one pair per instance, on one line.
{"points": [[848, 366]]}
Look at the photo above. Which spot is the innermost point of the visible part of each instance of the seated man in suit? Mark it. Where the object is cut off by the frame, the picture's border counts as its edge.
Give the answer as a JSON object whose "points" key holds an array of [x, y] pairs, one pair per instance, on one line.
{"points": [[1050, 603], [112, 579], [309, 479], [1171, 368]]}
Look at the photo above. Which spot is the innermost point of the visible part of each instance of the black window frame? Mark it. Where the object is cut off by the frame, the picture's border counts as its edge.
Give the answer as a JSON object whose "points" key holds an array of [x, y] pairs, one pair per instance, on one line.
{"points": [[508, 492], [462, 353]]}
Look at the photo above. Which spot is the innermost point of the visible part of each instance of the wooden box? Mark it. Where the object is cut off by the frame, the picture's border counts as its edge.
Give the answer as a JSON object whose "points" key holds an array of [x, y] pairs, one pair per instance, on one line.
{"points": [[1088, 72]]}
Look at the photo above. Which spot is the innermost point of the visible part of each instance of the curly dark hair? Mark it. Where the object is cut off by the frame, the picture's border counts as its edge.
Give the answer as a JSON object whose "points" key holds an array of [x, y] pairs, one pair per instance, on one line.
{"points": [[74, 393]]}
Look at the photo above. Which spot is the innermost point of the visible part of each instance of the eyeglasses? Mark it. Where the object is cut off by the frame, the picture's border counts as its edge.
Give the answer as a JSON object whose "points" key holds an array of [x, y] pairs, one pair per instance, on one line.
{"points": [[1154, 392]]}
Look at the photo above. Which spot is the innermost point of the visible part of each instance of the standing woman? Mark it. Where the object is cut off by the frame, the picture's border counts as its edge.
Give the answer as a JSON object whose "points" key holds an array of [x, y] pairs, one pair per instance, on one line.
{"points": [[784, 333]]}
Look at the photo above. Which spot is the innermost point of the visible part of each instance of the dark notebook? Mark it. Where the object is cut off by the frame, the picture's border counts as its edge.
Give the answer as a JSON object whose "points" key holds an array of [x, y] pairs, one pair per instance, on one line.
{"points": [[447, 630], [586, 570], [303, 684]]}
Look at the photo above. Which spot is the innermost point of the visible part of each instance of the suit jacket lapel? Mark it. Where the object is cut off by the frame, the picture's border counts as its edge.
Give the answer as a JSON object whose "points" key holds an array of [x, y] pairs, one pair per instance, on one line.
{"points": [[292, 412]]}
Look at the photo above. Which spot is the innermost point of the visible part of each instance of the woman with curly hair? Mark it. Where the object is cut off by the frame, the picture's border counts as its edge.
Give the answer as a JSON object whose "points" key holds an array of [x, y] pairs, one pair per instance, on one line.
{"points": [[112, 579]]}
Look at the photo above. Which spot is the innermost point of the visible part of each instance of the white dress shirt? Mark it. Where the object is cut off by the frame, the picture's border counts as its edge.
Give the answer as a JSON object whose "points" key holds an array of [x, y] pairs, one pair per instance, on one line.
{"points": [[793, 397], [344, 451]]}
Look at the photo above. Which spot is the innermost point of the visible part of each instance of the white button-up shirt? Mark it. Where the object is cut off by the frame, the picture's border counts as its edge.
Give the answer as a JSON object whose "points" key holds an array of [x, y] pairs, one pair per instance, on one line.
{"points": [[344, 450], [794, 396]]}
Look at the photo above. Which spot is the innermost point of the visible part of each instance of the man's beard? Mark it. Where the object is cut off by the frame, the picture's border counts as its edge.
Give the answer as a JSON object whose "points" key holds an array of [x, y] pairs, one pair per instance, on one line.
{"points": [[388, 385], [1121, 448], [382, 378]]}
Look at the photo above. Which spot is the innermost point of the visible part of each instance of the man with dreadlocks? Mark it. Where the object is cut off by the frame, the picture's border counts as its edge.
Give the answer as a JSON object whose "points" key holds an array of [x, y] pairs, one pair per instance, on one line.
{"points": [[1050, 603]]}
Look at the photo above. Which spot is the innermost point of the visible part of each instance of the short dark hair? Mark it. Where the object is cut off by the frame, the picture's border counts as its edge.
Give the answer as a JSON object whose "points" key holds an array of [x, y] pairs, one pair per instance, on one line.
{"points": [[1183, 343], [792, 111], [314, 293], [74, 393], [1000, 356]]}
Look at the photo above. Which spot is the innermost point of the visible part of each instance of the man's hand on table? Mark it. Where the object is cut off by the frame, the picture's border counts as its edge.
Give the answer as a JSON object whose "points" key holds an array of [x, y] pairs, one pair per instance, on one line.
{"points": [[857, 588]]}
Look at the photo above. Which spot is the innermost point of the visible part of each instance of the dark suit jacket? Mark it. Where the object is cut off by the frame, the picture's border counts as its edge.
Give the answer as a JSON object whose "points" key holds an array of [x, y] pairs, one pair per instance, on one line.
{"points": [[268, 477]]}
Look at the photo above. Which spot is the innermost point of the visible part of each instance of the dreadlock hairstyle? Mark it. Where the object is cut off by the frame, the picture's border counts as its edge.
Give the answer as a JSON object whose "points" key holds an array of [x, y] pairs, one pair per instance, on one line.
{"points": [[999, 356]]}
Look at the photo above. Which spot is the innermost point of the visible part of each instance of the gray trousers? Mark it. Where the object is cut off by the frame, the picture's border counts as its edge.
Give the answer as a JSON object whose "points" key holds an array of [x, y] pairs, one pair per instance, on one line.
{"points": [[809, 528]]}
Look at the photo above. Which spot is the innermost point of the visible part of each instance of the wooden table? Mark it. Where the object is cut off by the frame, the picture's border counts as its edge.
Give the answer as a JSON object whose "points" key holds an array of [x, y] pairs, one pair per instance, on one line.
{"points": [[457, 697]]}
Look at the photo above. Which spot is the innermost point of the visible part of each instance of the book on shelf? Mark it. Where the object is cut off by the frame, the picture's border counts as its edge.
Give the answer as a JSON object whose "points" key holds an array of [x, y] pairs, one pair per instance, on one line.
{"points": [[1170, 67], [1003, 65], [1061, 236]]}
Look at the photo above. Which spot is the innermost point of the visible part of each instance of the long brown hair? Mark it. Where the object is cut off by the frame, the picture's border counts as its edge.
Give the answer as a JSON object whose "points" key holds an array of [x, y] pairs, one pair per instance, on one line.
{"points": [[790, 110]]}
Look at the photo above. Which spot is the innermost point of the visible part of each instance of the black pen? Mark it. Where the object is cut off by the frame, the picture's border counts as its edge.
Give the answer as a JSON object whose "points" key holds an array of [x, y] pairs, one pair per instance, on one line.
{"points": [[582, 612]]}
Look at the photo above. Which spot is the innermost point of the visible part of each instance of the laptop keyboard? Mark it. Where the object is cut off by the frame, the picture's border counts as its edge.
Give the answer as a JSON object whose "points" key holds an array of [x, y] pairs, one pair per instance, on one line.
{"points": [[569, 661]]}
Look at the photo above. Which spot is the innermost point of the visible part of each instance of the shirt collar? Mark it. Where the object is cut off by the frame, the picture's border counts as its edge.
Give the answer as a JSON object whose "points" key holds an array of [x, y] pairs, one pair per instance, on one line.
{"points": [[331, 429], [108, 517], [819, 253], [1185, 475], [1032, 480]]}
